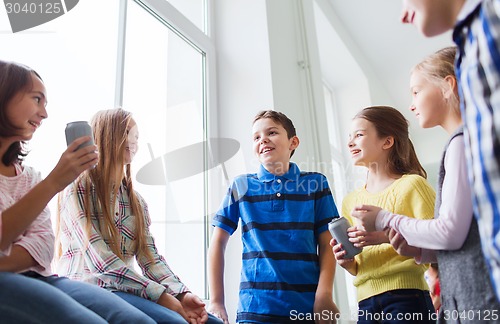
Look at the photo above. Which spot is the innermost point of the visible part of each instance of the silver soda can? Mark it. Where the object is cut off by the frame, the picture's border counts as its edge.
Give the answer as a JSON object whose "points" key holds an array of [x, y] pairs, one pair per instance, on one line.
{"points": [[338, 228], [78, 129]]}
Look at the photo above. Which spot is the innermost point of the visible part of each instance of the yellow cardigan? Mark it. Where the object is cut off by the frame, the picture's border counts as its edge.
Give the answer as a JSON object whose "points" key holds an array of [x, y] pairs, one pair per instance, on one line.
{"points": [[380, 268]]}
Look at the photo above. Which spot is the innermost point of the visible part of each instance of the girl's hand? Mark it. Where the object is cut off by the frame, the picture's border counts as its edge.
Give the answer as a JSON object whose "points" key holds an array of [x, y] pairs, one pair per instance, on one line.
{"points": [[367, 214], [340, 253], [361, 238], [219, 311], [349, 264], [400, 244], [194, 308], [168, 301], [72, 163]]}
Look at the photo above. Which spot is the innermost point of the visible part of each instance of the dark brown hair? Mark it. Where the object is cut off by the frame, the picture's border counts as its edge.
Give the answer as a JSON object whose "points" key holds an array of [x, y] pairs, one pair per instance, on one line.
{"points": [[389, 121], [14, 78], [278, 118]]}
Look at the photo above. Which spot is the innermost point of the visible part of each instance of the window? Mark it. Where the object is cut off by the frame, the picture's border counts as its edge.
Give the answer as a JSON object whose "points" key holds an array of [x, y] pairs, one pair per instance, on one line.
{"points": [[79, 76], [164, 88], [335, 140], [161, 75], [194, 10]]}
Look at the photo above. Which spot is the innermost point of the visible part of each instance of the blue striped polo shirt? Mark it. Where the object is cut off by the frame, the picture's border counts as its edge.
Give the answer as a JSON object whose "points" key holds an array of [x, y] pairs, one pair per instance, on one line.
{"points": [[281, 220]]}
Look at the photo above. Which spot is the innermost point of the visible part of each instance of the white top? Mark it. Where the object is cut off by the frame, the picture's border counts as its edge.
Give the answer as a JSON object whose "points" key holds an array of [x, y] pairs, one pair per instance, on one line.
{"points": [[450, 229]]}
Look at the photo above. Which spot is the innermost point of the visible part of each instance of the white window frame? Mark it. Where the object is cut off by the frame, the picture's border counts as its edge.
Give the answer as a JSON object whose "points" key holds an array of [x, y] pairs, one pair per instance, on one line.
{"points": [[184, 28]]}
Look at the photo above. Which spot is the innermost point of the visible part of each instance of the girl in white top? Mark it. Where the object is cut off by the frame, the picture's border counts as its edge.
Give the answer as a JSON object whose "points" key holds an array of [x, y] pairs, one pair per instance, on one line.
{"points": [[452, 238]]}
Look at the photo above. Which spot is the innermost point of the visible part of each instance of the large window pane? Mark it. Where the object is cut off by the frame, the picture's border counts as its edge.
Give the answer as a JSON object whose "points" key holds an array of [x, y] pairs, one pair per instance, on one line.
{"points": [[79, 75], [164, 88]]}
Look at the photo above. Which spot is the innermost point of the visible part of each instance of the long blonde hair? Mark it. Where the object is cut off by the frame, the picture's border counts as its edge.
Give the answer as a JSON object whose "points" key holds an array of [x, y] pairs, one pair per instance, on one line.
{"points": [[436, 67], [101, 184]]}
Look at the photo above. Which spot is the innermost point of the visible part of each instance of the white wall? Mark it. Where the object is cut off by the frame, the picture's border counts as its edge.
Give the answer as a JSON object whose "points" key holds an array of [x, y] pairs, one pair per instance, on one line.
{"points": [[244, 88]]}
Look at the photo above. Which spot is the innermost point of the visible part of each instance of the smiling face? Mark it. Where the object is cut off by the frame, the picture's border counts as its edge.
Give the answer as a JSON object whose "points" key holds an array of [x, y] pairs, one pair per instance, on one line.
{"points": [[131, 143], [431, 17], [365, 145], [428, 101], [26, 110], [272, 146]]}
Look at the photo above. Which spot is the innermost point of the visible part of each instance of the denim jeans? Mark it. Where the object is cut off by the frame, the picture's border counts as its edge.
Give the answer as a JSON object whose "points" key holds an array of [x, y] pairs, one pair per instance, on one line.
{"points": [[397, 306], [32, 298], [157, 312]]}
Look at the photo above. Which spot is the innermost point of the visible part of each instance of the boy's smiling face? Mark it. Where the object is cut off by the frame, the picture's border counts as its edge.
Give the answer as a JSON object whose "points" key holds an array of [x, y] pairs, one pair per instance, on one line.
{"points": [[272, 146]]}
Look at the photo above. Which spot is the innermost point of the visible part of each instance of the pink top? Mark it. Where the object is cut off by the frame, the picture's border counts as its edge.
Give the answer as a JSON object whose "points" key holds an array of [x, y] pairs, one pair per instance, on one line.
{"points": [[450, 229], [1, 252], [38, 239]]}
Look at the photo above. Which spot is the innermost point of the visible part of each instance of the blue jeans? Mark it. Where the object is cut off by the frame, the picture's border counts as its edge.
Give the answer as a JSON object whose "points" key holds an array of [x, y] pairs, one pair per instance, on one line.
{"points": [[157, 312], [27, 300], [397, 306], [32, 298]]}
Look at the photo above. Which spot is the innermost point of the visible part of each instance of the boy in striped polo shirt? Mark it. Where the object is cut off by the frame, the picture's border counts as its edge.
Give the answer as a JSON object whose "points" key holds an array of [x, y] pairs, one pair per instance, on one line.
{"points": [[287, 267]]}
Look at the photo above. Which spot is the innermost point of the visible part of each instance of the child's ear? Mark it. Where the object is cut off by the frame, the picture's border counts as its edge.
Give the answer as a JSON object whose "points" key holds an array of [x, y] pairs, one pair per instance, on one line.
{"points": [[452, 86], [294, 143], [388, 143]]}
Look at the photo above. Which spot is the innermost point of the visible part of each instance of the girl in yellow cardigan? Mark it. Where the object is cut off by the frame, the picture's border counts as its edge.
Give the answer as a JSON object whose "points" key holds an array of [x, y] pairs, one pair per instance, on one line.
{"points": [[390, 288]]}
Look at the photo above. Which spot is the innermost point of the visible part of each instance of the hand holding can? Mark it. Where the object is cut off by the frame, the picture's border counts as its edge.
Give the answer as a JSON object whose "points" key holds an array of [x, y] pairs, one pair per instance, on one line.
{"points": [[338, 228], [76, 130]]}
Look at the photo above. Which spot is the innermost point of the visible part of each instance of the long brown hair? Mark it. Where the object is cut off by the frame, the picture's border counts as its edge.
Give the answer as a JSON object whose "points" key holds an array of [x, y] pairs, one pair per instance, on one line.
{"points": [[389, 121], [110, 129], [14, 78]]}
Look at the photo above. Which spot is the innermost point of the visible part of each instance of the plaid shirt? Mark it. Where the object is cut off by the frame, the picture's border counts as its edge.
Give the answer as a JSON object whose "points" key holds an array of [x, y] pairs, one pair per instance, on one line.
{"points": [[91, 259], [477, 35]]}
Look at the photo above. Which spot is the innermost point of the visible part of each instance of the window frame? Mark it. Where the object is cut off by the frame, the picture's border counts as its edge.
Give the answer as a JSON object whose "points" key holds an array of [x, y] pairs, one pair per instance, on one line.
{"points": [[203, 43]]}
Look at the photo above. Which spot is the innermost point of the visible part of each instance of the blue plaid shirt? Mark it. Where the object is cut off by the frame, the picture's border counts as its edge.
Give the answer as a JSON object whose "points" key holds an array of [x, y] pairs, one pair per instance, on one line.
{"points": [[477, 35]]}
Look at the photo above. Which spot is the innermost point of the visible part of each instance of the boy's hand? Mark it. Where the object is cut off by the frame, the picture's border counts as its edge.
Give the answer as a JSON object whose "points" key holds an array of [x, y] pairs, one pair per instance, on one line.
{"points": [[325, 303], [194, 308], [219, 311], [367, 214], [399, 244]]}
